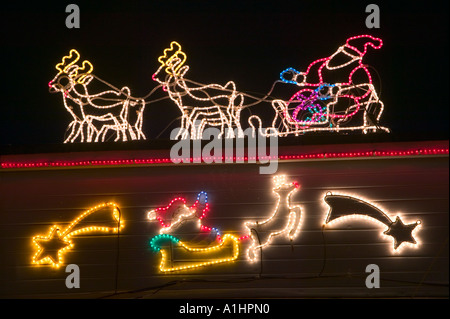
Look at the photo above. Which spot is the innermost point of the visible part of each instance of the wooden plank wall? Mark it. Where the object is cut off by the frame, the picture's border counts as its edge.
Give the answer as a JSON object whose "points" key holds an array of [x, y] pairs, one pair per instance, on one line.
{"points": [[320, 262]]}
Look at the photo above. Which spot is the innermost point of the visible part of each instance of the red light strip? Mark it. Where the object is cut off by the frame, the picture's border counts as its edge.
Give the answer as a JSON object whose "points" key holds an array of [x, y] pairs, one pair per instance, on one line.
{"points": [[222, 159]]}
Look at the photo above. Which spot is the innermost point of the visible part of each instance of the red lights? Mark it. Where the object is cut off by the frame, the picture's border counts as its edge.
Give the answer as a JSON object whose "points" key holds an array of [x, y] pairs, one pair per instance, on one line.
{"points": [[18, 164]]}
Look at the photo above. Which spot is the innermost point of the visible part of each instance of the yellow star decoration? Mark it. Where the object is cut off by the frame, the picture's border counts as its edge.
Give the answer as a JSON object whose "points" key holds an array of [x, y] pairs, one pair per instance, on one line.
{"points": [[51, 248]]}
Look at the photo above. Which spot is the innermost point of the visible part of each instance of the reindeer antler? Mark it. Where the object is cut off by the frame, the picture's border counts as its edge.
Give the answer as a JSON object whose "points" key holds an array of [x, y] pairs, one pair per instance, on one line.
{"points": [[167, 60], [63, 67], [83, 76], [73, 54]]}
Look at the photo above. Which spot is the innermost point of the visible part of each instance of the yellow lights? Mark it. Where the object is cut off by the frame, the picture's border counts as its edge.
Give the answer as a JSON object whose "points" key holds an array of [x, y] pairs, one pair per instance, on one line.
{"points": [[75, 74], [285, 219], [344, 208], [209, 254], [51, 248], [96, 116], [175, 61], [73, 54], [200, 105], [86, 69], [189, 255]]}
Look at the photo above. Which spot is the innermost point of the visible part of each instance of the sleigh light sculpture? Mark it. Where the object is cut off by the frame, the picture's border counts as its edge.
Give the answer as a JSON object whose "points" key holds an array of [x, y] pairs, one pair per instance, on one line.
{"points": [[336, 94]]}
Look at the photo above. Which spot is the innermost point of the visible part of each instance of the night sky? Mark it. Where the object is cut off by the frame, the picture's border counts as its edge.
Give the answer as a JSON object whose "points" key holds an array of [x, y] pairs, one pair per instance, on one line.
{"points": [[248, 43]]}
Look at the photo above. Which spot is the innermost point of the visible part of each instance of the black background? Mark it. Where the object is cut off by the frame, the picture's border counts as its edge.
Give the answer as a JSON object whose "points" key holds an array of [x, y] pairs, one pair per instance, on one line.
{"points": [[248, 42]]}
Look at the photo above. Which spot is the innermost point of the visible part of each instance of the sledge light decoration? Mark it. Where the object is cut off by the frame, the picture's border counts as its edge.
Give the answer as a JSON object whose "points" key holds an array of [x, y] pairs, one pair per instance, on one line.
{"points": [[285, 219], [207, 255], [322, 104], [51, 248], [343, 207], [94, 115]]}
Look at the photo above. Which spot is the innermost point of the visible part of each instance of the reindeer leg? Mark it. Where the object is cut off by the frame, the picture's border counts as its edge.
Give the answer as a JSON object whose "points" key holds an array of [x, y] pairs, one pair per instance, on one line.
{"points": [[79, 131], [72, 125], [138, 125], [229, 126], [237, 114], [182, 133], [138, 128], [229, 120], [251, 251], [118, 131], [294, 223], [90, 130], [185, 131], [123, 130], [140, 120], [101, 132], [240, 132], [195, 127], [130, 130], [94, 132], [201, 128]]}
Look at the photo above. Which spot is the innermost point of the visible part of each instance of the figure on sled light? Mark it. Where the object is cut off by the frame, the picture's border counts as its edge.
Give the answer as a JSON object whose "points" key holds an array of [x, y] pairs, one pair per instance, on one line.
{"points": [[181, 220], [284, 221], [337, 94], [180, 244]]}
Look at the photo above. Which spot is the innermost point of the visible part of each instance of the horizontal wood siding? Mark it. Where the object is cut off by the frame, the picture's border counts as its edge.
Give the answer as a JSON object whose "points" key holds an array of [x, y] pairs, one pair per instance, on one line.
{"points": [[320, 262]]}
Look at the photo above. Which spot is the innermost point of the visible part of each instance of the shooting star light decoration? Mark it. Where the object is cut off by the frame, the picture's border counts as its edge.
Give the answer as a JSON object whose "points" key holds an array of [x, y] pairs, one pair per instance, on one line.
{"points": [[343, 207], [51, 248]]}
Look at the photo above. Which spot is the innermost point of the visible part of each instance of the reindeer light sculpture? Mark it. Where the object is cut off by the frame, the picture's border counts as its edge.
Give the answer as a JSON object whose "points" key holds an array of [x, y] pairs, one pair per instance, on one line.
{"points": [[284, 221], [202, 105], [92, 121]]}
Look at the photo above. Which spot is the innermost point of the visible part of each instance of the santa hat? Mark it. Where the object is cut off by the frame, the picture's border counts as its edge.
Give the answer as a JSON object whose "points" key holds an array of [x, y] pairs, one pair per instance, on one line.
{"points": [[360, 43]]}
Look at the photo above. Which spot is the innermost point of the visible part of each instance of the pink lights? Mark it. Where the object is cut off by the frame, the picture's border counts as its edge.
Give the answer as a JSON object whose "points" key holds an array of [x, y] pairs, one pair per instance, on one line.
{"points": [[49, 164], [336, 94], [324, 64]]}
